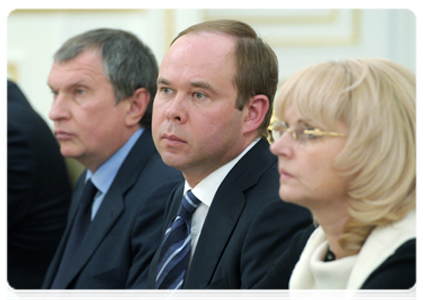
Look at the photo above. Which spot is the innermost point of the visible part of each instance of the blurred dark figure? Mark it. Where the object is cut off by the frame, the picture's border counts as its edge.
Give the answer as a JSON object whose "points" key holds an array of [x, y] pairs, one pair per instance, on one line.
{"points": [[38, 193]]}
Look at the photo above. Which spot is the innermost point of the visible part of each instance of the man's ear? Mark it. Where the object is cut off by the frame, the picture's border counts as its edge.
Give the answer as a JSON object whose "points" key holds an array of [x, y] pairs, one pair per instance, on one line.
{"points": [[138, 103], [255, 111]]}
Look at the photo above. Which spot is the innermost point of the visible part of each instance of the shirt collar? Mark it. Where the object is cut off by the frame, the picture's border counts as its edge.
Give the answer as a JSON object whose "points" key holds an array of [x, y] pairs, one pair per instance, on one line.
{"points": [[207, 188], [106, 173]]}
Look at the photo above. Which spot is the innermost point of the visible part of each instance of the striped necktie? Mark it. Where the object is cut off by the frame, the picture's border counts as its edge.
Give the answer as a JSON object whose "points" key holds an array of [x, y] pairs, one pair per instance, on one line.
{"points": [[176, 246]]}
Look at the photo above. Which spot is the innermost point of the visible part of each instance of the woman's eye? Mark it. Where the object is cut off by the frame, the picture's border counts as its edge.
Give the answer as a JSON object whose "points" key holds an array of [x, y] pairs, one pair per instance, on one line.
{"points": [[305, 133], [310, 133], [311, 136]]}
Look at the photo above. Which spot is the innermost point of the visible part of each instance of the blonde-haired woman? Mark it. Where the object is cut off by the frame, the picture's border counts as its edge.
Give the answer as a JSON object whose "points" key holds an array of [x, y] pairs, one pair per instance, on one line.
{"points": [[346, 143]]}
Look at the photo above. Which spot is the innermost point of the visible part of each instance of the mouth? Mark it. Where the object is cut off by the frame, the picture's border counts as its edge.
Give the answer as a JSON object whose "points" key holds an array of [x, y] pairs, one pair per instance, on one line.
{"points": [[284, 175], [62, 135], [172, 139]]}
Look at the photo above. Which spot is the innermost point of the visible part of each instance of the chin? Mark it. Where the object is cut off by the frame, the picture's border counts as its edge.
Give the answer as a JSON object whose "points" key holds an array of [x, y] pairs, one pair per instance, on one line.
{"points": [[289, 196], [171, 160], [69, 152]]}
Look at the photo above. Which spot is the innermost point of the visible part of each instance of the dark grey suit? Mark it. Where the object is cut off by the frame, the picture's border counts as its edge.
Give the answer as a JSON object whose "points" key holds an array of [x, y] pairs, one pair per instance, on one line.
{"points": [[38, 193], [121, 240], [246, 229]]}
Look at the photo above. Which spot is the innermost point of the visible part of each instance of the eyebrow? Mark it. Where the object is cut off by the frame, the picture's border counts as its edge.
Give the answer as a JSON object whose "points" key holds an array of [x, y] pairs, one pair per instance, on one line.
{"points": [[197, 84], [164, 81], [203, 85], [298, 122], [77, 83]]}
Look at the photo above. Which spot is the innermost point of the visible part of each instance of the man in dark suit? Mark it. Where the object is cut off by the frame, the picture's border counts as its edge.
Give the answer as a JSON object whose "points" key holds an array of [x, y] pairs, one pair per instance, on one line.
{"points": [[216, 86], [38, 193], [102, 82]]}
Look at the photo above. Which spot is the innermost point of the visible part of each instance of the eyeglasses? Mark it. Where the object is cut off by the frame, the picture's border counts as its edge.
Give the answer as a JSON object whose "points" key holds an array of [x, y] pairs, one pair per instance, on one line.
{"points": [[301, 133]]}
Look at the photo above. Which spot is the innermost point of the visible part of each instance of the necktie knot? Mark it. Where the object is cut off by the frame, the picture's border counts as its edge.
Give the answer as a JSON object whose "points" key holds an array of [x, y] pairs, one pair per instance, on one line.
{"points": [[189, 204], [88, 194]]}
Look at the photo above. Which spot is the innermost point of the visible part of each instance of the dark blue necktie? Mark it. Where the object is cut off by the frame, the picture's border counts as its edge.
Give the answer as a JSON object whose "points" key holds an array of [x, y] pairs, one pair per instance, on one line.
{"points": [[176, 246], [80, 225]]}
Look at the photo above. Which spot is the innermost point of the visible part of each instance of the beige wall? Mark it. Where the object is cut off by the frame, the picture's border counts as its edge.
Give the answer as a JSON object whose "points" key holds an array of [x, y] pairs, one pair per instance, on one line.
{"points": [[299, 37]]}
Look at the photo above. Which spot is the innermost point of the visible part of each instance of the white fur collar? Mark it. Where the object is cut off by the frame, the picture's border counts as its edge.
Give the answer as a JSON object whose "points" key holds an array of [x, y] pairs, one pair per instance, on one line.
{"points": [[381, 243]]}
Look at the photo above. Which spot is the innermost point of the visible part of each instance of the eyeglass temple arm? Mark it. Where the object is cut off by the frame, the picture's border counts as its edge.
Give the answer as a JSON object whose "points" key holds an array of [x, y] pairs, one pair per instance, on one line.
{"points": [[318, 132]]}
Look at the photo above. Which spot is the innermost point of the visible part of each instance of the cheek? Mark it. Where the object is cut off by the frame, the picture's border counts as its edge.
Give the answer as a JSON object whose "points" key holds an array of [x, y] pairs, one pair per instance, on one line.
{"points": [[316, 175], [102, 127], [205, 126], [157, 108], [158, 116], [327, 181], [154, 126]]}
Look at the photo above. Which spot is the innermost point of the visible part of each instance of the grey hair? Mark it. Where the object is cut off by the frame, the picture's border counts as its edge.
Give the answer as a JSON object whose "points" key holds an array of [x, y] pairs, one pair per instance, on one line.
{"points": [[128, 63]]}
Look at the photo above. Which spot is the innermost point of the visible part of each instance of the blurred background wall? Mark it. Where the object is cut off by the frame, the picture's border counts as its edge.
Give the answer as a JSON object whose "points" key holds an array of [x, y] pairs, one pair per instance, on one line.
{"points": [[299, 37]]}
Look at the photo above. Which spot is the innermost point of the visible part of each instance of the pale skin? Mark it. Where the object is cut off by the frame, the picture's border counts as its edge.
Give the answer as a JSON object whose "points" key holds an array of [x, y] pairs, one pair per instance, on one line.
{"points": [[88, 123], [196, 127], [307, 178]]}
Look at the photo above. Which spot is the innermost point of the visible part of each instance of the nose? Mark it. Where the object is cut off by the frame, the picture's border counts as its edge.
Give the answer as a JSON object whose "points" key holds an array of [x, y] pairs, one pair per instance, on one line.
{"points": [[282, 147], [59, 109], [177, 109]]}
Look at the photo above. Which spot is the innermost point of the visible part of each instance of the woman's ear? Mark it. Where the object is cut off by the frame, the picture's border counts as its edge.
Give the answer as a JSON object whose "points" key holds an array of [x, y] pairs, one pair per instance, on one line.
{"points": [[255, 111], [138, 103]]}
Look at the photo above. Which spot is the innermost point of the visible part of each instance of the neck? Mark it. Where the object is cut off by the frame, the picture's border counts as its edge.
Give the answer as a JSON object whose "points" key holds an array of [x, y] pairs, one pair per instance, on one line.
{"points": [[333, 225], [195, 174]]}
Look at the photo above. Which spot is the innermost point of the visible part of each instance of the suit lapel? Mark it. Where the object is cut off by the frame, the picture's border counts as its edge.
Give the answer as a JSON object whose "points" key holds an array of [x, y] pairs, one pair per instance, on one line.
{"points": [[111, 209], [222, 217], [113, 204], [224, 213], [76, 195]]}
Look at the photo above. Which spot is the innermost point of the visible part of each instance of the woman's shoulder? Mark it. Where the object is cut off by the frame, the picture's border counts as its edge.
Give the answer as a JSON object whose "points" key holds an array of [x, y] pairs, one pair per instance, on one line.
{"points": [[398, 271]]}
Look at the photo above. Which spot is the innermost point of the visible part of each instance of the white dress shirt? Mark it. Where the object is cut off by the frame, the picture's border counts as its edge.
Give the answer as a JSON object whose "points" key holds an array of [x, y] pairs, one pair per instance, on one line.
{"points": [[205, 191]]}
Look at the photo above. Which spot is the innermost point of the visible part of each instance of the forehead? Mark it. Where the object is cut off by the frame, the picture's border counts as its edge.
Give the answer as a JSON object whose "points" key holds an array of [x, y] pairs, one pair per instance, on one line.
{"points": [[201, 54], [87, 65], [288, 114]]}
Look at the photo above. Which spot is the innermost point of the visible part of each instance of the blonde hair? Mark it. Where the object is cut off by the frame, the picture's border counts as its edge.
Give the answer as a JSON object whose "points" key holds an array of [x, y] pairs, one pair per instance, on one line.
{"points": [[376, 100]]}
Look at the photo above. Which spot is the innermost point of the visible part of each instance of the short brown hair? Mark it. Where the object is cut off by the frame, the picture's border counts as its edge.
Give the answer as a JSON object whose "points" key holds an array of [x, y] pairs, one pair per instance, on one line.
{"points": [[257, 64]]}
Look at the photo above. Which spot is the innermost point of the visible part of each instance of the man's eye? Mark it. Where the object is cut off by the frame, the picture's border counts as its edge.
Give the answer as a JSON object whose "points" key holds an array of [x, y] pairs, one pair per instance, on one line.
{"points": [[199, 96], [166, 91]]}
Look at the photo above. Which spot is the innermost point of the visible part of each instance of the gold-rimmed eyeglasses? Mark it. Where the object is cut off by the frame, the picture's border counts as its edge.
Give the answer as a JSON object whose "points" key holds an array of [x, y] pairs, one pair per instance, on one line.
{"points": [[300, 133]]}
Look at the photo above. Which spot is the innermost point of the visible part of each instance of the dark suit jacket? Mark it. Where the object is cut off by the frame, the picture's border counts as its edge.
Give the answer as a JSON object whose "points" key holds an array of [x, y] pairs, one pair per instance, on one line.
{"points": [[121, 240], [38, 193], [397, 272], [246, 229]]}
